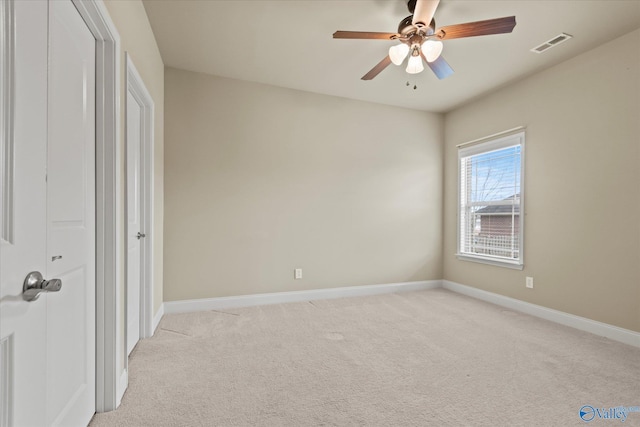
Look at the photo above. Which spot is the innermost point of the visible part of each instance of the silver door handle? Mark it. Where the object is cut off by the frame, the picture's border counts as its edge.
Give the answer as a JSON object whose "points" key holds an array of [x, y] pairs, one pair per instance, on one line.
{"points": [[34, 283], [140, 235]]}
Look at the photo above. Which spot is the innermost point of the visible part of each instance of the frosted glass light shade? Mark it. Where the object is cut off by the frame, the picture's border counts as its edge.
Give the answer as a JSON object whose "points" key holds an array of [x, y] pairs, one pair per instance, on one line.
{"points": [[415, 65], [398, 52], [432, 50]]}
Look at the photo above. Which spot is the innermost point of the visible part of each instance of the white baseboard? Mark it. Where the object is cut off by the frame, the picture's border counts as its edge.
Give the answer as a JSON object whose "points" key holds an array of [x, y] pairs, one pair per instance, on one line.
{"points": [[123, 383], [222, 303], [615, 333], [157, 318]]}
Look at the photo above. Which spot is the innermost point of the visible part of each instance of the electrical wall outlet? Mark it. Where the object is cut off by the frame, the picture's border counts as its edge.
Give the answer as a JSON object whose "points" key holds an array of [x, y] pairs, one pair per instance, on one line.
{"points": [[529, 282], [297, 273]]}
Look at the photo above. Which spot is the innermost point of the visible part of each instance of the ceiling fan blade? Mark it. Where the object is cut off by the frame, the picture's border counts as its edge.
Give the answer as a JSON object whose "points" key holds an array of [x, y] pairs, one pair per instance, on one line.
{"points": [[440, 67], [364, 35], [424, 11], [479, 28], [378, 68]]}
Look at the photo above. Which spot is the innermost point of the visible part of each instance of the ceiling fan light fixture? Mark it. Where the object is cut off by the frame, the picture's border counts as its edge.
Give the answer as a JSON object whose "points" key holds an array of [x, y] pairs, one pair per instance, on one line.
{"points": [[415, 65], [398, 52], [432, 50]]}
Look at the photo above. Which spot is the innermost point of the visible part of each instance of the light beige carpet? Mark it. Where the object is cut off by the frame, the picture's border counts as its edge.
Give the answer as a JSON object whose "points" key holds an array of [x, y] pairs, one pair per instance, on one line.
{"points": [[430, 358]]}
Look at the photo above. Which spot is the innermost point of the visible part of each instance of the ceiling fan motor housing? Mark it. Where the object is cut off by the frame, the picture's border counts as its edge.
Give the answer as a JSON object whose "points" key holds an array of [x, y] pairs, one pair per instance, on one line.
{"points": [[406, 27]]}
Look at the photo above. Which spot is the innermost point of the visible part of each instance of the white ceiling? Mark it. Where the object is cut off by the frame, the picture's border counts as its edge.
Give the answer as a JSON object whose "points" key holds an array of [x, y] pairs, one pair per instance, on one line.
{"points": [[289, 43]]}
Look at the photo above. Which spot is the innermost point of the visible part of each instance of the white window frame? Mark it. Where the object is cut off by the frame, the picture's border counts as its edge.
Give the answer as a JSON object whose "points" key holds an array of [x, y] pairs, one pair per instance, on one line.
{"points": [[494, 142]]}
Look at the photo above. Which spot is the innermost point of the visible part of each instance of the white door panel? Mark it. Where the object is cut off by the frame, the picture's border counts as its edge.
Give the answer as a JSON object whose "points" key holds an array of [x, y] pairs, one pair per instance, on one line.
{"points": [[71, 218], [52, 339], [134, 219], [23, 324]]}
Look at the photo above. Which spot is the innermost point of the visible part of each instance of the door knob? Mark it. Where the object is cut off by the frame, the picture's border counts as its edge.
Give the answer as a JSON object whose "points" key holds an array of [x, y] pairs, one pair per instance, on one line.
{"points": [[140, 235], [34, 283]]}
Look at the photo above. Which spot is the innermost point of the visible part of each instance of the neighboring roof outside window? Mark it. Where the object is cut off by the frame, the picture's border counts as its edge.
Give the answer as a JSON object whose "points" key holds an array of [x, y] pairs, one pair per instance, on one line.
{"points": [[501, 209]]}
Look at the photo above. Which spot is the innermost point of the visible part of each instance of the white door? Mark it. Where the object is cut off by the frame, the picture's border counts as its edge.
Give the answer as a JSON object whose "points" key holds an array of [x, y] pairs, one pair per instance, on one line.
{"points": [[134, 219], [49, 343], [23, 324], [71, 217]]}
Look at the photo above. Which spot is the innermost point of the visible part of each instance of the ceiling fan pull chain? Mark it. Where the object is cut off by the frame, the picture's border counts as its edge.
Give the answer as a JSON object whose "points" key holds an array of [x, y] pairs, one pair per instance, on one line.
{"points": [[415, 86]]}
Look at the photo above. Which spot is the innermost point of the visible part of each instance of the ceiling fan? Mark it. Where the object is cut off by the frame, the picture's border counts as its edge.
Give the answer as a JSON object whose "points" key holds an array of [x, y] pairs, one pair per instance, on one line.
{"points": [[420, 40]]}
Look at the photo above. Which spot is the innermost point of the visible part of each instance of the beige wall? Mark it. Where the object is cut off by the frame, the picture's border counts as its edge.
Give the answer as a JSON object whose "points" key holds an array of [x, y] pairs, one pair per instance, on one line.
{"points": [[137, 39], [582, 189], [261, 180]]}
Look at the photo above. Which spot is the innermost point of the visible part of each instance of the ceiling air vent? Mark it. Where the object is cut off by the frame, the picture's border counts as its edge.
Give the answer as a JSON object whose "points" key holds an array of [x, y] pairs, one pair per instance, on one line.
{"points": [[551, 43]]}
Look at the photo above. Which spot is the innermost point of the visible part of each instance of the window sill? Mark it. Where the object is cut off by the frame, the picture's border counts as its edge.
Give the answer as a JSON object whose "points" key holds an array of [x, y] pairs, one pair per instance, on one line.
{"points": [[515, 265]]}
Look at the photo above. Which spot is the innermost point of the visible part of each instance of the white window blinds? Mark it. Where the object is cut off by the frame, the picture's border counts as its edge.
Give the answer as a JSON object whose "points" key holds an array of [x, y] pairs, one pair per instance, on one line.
{"points": [[490, 203]]}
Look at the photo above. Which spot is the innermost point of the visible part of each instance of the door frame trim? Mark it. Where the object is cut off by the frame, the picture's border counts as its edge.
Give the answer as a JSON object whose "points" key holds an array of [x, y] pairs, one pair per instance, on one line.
{"points": [[109, 348], [135, 85]]}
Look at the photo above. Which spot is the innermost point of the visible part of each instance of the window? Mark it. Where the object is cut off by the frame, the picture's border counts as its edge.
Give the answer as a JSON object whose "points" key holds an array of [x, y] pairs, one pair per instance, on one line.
{"points": [[490, 219]]}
